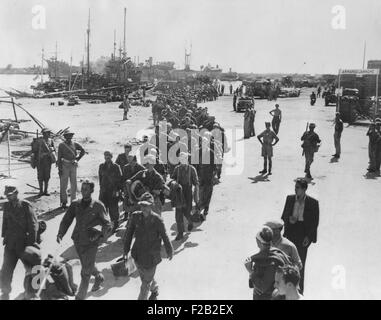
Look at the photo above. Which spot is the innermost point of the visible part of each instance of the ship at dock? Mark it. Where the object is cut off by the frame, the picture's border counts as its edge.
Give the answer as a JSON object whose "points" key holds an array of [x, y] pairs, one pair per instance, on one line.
{"points": [[106, 79]]}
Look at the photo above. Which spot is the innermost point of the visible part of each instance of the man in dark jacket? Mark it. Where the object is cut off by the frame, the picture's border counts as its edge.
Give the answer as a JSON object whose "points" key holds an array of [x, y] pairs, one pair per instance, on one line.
{"points": [[92, 224], [122, 158], [110, 182], [301, 220], [149, 230], [19, 230]]}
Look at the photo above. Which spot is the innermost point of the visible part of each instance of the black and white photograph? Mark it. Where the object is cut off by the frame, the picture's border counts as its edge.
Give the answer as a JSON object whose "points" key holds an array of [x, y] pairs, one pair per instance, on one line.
{"points": [[221, 150]]}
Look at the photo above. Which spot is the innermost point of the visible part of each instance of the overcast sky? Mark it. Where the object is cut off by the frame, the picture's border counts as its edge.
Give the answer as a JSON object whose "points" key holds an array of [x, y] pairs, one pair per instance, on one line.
{"points": [[246, 35]]}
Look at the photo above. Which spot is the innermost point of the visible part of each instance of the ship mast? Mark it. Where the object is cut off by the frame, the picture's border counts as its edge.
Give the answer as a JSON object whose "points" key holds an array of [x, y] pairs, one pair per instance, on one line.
{"points": [[71, 62], [88, 48], [56, 61], [124, 34], [114, 43], [42, 65]]}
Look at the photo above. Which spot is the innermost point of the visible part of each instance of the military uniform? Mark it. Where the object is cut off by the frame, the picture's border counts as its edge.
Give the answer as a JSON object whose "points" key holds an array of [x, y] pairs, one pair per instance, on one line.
{"points": [[149, 233], [42, 150], [110, 181], [310, 141], [339, 126], [275, 122], [374, 140], [186, 176], [264, 265], [152, 181], [88, 214], [19, 230], [121, 160], [67, 156], [268, 137]]}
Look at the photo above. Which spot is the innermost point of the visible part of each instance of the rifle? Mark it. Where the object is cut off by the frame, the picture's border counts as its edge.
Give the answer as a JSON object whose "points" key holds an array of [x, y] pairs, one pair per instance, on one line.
{"points": [[305, 132]]}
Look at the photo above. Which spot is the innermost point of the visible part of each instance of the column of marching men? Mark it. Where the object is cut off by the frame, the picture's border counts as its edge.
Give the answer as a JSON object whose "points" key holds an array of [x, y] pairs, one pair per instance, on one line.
{"points": [[181, 162]]}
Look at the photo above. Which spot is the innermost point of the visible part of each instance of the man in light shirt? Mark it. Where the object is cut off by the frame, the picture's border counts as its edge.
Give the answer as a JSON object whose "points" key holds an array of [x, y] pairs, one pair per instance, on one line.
{"points": [[301, 220], [283, 243]]}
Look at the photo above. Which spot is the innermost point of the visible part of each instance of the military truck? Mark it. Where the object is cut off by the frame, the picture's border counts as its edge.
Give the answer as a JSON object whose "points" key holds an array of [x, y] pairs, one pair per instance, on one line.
{"points": [[349, 105], [243, 103]]}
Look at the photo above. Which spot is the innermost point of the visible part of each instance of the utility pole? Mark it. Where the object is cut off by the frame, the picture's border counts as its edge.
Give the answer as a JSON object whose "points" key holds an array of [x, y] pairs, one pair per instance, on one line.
{"points": [[88, 48], [124, 34]]}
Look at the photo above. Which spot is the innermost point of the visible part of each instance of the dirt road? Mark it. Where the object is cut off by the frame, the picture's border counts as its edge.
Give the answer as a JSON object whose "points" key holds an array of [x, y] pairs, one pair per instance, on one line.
{"points": [[208, 264]]}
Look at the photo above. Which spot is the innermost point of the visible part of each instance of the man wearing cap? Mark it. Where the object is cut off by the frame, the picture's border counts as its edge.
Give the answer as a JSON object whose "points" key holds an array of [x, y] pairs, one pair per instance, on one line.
{"points": [[149, 231], [67, 163], [311, 144], [186, 175], [152, 181], [19, 230], [122, 158], [283, 243], [43, 153], [267, 136], [339, 126], [262, 266], [277, 118], [301, 220], [110, 182], [92, 225]]}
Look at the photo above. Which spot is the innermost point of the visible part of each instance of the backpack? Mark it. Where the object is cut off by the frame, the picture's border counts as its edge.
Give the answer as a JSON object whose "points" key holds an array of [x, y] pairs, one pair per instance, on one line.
{"points": [[264, 269]]}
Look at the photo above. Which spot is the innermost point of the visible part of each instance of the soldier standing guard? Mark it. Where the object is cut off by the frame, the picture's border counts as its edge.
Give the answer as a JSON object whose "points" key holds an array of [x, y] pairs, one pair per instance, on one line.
{"points": [[67, 163], [92, 224], [43, 153], [110, 182], [378, 147], [268, 136], [339, 126], [311, 144], [126, 107], [19, 230], [277, 118]]}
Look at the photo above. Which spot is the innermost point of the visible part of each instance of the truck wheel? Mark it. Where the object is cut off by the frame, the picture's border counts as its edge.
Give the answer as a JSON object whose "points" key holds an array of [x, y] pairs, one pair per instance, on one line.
{"points": [[326, 103]]}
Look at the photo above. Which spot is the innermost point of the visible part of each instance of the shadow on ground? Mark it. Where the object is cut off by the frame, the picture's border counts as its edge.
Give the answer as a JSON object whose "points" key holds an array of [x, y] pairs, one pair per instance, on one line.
{"points": [[48, 215], [259, 178]]}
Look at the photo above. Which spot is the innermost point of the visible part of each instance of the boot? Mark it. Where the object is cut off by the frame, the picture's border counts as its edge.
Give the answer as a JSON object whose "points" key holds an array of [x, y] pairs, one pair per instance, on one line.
{"points": [[99, 279], [179, 237], [154, 295], [46, 193], [41, 185]]}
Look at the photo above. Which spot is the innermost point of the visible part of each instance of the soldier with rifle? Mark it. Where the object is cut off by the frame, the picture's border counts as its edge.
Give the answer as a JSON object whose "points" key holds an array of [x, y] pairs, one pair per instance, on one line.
{"points": [[311, 144]]}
